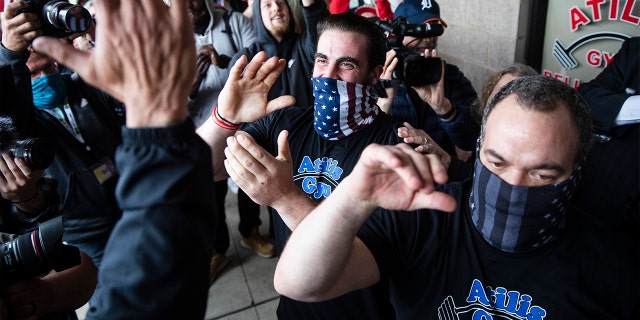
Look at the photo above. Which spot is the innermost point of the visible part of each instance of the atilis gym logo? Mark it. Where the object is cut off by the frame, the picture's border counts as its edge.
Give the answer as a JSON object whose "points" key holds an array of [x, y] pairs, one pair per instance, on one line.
{"points": [[312, 172], [485, 303]]}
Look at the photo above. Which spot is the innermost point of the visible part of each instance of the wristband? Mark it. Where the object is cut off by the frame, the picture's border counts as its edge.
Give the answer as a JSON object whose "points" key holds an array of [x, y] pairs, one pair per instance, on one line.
{"points": [[449, 113], [222, 122]]}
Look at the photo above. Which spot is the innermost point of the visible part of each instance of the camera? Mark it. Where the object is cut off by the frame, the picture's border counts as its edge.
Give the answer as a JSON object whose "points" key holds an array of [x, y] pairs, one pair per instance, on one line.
{"points": [[37, 253], [37, 153], [412, 69], [59, 18]]}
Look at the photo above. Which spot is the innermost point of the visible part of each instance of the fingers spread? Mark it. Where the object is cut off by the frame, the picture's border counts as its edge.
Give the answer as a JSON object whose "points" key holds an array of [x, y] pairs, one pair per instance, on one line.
{"points": [[254, 65], [271, 70]]}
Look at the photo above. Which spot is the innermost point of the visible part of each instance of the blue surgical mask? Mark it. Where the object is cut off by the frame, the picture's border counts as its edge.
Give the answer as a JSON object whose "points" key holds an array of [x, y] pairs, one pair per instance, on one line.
{"points": [[342, 108], [49, 91], [518, 218]]}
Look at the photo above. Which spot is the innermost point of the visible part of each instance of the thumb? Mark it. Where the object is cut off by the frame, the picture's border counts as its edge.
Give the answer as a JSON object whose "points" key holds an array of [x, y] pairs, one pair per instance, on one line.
{"points": [[279, 103], [408, 125], [435, 200], [284, 153], [65, 54]]}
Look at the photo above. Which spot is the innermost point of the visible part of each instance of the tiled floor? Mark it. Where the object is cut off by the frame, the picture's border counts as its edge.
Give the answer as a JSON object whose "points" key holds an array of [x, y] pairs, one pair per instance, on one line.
{"points": [[244, 289]]}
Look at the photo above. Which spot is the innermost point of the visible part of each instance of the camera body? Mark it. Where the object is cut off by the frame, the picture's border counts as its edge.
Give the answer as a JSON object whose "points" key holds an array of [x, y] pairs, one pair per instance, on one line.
{"points": [[37, 253], [37, 153], [59, 18], [412, 69]]}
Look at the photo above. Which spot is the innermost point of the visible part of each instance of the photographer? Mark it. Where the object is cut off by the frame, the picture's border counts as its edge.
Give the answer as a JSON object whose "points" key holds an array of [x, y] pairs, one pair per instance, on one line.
{"points": [[442, 109], [82, 122], [57, 294]]}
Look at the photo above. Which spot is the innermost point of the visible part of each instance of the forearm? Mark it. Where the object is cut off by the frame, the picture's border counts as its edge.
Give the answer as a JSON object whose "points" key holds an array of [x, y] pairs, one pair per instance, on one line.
{"points": [[73, 287], [323, 258], [462, 129], [215, 137], [294, 208]]}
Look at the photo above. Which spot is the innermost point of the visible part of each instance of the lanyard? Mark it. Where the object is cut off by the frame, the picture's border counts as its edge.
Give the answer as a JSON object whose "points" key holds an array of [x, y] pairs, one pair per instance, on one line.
{"points": [[71, 125]]}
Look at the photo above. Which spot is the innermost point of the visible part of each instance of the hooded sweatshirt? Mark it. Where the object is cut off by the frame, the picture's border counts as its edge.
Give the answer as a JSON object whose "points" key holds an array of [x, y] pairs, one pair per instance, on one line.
{"points": [[296, 49], [216, 34]]}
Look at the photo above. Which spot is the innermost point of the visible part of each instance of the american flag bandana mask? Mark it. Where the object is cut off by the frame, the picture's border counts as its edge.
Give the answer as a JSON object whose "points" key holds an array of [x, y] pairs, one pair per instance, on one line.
{"points": [[342, 108]]}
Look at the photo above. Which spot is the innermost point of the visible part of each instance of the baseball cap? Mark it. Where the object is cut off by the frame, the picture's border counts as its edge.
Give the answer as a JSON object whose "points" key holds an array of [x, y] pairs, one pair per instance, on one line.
{"points": [[419, 11]]}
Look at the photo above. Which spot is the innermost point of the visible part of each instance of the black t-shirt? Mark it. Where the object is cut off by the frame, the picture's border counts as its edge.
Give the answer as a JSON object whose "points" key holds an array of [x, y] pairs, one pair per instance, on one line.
{"points": [[318, 166], [439, 266]]}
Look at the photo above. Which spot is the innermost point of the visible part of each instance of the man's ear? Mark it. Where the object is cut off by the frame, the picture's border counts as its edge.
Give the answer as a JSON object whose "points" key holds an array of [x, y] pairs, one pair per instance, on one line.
{"points": [[375, 74]]}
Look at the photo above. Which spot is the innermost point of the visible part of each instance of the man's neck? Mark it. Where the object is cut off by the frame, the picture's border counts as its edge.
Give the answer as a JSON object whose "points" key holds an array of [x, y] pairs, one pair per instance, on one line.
{"points": [[201, 26]]}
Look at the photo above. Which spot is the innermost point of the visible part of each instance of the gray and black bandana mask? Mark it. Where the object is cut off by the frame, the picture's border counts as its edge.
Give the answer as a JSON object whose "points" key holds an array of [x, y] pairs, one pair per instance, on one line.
{"points": [[517, 218]]}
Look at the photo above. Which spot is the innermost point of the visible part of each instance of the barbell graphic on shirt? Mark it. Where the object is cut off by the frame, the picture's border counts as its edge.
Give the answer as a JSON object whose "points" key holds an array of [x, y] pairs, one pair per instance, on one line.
{"points": [[448, 311], [564, 54]]}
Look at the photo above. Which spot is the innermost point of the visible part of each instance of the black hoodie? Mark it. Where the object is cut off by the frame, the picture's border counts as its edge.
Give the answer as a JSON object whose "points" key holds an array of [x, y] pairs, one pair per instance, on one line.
{"points": [[297, 49]]}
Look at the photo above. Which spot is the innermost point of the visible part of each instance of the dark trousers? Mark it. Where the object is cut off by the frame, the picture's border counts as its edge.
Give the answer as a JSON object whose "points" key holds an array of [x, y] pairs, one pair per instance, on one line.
{"points": [[248, 210]]}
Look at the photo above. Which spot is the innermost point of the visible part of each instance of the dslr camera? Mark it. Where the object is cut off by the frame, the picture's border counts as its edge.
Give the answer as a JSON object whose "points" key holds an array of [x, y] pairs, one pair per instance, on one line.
{"points": [[37, 153], [59, 18], [412, 69], [37, 253]]}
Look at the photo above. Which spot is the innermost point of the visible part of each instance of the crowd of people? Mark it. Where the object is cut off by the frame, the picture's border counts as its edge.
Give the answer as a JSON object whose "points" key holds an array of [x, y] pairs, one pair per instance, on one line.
{"points": [[386, 200]]}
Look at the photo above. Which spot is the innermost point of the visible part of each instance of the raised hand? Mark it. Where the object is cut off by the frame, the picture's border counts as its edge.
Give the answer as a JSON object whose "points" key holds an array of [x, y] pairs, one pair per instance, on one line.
{"points": [[397, 178], [18, 30], [265, 178], [433, 94], [244, 96], [152, 81], [390, 64]]}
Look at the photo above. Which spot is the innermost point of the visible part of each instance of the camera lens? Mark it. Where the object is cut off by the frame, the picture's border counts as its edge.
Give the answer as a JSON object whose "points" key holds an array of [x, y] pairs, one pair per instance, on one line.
{"points": [[66, 16], [35, 152], [36, 253]]}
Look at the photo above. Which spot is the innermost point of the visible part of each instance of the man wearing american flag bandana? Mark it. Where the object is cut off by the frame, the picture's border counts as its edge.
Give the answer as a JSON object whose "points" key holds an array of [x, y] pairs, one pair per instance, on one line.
{"points": [[291, 158]]}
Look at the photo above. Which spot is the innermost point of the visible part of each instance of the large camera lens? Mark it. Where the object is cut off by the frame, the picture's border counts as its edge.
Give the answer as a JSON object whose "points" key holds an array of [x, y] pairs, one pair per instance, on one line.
{"points": [[35, 152], [37, 252], [66, 16]]}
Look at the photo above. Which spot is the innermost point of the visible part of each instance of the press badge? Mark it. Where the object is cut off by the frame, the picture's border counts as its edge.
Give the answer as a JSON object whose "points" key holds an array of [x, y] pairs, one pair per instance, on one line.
{"points": [[104, 169]]}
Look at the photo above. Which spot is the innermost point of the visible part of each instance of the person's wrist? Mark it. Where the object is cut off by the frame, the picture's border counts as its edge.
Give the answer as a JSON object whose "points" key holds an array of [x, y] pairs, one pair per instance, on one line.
{"points": [[13, 48], [155, 113], [29, 199], [448, 114], [222, 122]]}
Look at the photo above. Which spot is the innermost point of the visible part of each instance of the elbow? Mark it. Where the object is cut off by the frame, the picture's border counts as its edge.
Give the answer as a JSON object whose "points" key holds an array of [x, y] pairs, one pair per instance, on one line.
{"points": [[296, 290]]}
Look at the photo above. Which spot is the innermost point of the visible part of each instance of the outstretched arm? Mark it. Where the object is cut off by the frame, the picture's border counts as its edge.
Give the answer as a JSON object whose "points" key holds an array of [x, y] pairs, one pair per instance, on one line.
{"points": [[323, 258], [145, 57]]}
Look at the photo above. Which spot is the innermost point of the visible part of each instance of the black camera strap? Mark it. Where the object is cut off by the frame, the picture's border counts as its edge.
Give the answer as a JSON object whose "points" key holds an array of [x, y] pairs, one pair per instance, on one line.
{"points": [[227, 29]]}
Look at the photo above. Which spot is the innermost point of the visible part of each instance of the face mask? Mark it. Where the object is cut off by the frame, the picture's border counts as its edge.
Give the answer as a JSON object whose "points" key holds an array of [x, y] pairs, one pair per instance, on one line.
{"points": [[342, 108], [49, 91], [516, 218]]}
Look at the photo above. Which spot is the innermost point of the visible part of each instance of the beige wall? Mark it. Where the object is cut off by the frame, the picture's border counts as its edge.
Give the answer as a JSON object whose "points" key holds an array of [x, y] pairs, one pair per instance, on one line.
{"points": [[483, 35]]}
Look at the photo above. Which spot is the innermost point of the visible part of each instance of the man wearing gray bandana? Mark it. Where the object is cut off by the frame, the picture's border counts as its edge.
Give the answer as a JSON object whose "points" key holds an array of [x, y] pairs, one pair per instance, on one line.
{"points": [[514, 248]]}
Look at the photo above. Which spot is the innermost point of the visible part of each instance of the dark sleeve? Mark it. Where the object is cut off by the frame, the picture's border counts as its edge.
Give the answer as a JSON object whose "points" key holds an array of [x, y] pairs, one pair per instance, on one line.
{"points": [[607, 92], [156, 263], [312, 15], [19, 104], [463, 129]]}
